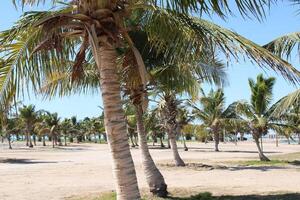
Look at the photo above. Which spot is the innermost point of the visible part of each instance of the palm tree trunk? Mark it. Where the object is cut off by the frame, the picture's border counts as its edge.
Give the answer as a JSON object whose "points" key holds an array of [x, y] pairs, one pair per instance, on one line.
{"points": [[262, 157], [34, 139], [27, 138], [9, 141], [105, 137], [30, 141], [298, 138], [242, 136], [44, 142], [161, 142], [131, 140], [217, 140], [173, 144], [288, 139], [115, 126], [183, 139], [135, 135], [154, 178], [235, 138], [95, 138], [169, 144], [29, 135], [65, 138]]}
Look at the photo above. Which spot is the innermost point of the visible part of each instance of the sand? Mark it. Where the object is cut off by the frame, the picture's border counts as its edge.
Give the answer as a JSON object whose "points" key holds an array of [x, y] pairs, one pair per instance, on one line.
{"points": [[80, 169]]}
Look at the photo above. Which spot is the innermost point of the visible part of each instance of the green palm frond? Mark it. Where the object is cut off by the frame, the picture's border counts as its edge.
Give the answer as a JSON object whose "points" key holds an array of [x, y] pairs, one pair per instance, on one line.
{"points": [[261, 93], [192, 35], [287, 102], [247, 8], [245, 109], [222, 8], [285, 45], [22, 64]]}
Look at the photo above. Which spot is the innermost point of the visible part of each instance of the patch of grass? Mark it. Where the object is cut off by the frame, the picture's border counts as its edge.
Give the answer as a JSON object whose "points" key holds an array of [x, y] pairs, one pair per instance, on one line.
{"points": [[107, 196], [262, 163]]}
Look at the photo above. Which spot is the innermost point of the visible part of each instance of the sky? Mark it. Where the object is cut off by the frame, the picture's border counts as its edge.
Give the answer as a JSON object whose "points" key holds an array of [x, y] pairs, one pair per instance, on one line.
{"points": [[281, 19]]}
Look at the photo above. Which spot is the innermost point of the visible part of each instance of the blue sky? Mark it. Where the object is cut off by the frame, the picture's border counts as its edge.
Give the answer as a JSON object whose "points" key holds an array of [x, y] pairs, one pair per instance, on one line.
{"points": [[281, 19]]}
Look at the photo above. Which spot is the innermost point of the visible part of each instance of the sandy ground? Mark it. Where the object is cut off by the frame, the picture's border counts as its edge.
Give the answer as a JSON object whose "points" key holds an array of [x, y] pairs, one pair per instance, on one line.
{"points": [[46, 173]]}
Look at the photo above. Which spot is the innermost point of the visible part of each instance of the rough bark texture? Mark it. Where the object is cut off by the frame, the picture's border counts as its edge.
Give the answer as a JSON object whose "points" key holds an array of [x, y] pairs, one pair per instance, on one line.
{"points": [[217, 140], [262, 157], [154, 178], [177, 158], [123, 167], [169, 144], [44, 142]]}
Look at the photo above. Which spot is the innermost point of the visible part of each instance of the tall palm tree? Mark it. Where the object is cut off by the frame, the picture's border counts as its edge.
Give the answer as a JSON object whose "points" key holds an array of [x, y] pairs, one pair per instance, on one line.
{"points": [[258, 113], [97, 28], [28, 115], [213, 114]]}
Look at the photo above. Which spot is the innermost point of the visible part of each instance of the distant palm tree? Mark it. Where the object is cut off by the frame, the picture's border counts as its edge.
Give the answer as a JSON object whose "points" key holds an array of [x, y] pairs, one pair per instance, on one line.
{"points": [[52, 121], [183, 118], [65, 127], [28, 116], [258, 113], [213, 113], [292, 119]]}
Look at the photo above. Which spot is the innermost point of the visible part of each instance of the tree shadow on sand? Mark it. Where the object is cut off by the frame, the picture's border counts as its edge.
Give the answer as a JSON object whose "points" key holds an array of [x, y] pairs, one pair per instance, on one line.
{"points": [[209, 196], [259, 168], [295, 162], [23, 161]]}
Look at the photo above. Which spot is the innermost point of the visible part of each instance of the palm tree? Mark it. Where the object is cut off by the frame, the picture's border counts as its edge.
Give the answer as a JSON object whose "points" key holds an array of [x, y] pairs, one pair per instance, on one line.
{"points": [[28, 116], [154, 127], [213, 113], [258, 112], [183, 118], [102, 26], [52, 121], [168, 113], [4, 127], [41, 126], [65, 126], [292, 120]]}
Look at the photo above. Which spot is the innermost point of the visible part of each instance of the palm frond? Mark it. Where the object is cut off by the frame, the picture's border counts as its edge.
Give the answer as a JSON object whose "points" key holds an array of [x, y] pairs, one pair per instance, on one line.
{"points": [[285, 103], [285, 45], [183, 37], [246, 8]]}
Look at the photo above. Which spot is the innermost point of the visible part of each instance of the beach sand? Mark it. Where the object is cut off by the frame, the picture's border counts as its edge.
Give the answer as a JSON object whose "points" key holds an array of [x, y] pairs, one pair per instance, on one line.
{"points": [[81, 169]]}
